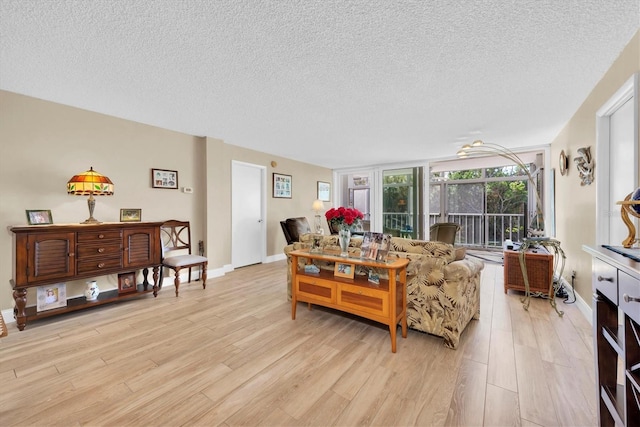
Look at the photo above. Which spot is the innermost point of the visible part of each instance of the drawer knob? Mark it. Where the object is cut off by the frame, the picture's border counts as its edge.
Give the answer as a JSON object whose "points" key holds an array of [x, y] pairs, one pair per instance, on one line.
{"points": [[605, 279], [627, 298], [100, 250], [100, 236], [101, 265]]}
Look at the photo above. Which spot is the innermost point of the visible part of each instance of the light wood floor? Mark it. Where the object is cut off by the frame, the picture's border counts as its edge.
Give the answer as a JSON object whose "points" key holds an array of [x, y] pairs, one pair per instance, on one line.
{"points": [[231, 355]]}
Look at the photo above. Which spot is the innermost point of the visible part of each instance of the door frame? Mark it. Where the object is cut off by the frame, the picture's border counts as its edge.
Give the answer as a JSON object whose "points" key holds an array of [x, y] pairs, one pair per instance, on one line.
{"points": [[263, 208], [628, 91]]}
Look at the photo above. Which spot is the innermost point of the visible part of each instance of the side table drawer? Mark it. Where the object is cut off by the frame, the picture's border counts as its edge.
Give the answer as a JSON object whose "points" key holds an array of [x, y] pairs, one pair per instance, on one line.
{"points": [[106, 249], [629, 296], [98, 264], [605, 280], [317, 289], [371, 301], [97, 236]]}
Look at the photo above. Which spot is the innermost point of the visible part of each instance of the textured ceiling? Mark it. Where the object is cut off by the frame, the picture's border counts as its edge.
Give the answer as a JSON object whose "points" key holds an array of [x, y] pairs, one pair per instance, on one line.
{"points": [[333, 83]]}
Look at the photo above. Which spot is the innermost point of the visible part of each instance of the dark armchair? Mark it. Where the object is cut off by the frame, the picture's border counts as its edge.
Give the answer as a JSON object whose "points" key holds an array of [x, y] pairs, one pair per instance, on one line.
{"points": [[293, 228], [444, 232]]}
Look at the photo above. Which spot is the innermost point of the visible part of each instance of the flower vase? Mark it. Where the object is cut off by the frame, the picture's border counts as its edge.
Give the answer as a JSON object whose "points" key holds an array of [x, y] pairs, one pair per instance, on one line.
{"points": [[92, 290], [344, 236]]}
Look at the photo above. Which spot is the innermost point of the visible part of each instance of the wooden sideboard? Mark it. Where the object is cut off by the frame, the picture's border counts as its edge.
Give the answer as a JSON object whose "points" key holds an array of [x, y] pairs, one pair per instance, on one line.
{"points": [[616, 335], [50, 254], [385, 302]]}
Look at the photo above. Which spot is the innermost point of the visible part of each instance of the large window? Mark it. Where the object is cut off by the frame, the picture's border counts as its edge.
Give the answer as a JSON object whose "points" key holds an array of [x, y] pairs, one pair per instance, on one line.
{"points": [[490, 204]]}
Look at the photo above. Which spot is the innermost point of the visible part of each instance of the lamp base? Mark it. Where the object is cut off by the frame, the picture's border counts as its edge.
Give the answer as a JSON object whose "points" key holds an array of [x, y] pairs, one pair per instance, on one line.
{"points": [[91, 220], [92, 204]]}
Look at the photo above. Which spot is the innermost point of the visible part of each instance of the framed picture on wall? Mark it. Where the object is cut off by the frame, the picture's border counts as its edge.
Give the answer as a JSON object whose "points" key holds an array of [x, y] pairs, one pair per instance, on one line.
{"points": [[163, 178], [282, 186], [324, 191]]}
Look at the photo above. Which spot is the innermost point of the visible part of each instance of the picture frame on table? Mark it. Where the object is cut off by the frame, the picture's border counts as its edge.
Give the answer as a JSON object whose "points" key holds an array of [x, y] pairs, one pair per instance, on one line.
{"points": [[130, 215], [282, 185], [324, 191], [39, 217], [375, 246], [344, 269], [164, 178], [51, 296], [127, 283]]}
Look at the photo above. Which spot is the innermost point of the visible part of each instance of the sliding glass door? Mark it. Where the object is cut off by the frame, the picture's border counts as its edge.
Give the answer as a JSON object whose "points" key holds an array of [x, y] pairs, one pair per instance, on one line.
{"points": [[402, 207]]}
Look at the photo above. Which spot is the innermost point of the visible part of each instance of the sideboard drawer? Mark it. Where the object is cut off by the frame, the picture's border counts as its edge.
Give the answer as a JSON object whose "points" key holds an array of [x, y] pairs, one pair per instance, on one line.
{"points": [[361, 298], [97, 236], [101, 250], [605, 279], [98, 264], [318, 289], [629, 296]]}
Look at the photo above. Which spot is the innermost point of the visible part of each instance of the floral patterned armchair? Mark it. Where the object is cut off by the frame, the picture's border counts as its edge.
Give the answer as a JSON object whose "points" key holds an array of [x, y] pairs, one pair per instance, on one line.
{"points": [[443, 286]]}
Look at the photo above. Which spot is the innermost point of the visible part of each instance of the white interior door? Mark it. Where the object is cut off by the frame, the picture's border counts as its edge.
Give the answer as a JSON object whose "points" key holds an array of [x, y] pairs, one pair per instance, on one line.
{"points": [[248, 234]]}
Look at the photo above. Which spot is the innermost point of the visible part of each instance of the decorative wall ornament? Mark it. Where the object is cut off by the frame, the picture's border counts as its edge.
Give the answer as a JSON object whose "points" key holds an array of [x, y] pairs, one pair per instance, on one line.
{"points": [[585, 164], [564, 163]]}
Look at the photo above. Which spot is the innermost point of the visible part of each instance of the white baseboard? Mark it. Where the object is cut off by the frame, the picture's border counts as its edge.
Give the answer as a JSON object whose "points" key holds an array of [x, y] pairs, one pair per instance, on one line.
{"points": [[274, 258], [582, 305]]}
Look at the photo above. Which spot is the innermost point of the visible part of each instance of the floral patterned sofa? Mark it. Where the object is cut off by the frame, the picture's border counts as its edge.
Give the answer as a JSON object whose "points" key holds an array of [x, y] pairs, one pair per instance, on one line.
{"points": [[443, 285]]}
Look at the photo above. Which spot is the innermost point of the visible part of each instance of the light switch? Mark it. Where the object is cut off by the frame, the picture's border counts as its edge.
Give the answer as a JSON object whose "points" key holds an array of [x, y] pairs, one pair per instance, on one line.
{"points": [[187, 190]]}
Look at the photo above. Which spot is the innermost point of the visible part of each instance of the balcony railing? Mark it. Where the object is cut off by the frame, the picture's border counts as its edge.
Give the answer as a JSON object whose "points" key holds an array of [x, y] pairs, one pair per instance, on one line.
{"points": [[481, 230]]}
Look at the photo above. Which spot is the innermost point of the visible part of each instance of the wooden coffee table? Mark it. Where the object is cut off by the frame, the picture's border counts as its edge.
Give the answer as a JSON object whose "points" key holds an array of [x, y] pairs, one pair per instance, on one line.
{"points": [[385, 302]]}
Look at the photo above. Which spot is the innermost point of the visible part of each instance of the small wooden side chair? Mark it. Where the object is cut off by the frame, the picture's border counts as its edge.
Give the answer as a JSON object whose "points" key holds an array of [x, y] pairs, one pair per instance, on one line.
{"points": [[176, 240]]}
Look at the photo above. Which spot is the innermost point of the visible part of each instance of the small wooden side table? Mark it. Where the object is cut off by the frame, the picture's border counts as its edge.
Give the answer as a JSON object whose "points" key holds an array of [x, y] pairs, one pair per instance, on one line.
{"points": [[539, 269]]}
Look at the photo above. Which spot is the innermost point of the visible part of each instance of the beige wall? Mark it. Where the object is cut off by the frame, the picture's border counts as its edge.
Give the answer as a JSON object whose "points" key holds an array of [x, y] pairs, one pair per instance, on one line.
{"points": [[576, 204], [44, 144]]}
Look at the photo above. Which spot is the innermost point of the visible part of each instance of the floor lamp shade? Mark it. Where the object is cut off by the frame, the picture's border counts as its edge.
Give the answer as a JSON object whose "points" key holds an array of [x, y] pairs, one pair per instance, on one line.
{"points": [[90, 183]]}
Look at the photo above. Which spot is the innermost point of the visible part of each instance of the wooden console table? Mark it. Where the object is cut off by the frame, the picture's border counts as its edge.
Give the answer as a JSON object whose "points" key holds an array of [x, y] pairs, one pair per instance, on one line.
{"points": [[385, 302], [48, 254]]}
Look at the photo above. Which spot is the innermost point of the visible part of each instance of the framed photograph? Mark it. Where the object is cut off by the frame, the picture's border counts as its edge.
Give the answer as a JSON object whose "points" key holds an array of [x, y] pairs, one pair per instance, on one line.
{"points": [[375, 246], [281, 186], [324, 191], [51, 296], [344, 269], [126, 283], [39, 217], [130, 215], [374, 277], [162, 178]]}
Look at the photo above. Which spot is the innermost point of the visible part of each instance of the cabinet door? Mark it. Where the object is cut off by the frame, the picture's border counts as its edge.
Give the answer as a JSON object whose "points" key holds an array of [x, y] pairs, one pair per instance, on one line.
{"points": [[50, 256], [141, 247]]}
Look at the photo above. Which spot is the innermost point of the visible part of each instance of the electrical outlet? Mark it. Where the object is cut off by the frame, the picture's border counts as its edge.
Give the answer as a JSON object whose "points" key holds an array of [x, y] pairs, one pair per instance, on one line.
{"points": [[187, 190]]}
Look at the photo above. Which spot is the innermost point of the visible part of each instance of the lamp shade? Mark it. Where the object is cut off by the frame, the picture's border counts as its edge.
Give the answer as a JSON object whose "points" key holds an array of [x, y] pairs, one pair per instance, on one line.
{"points": [[318, 205], [90, 183]]}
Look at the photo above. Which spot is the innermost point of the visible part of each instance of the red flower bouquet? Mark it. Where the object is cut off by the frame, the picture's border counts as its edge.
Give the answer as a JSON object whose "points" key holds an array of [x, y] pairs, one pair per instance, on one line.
{"points": [[343, 217]]}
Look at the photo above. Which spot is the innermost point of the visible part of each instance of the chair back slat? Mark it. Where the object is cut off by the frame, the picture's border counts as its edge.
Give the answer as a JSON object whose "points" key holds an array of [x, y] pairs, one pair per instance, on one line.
{"points": [[175, 235]]}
